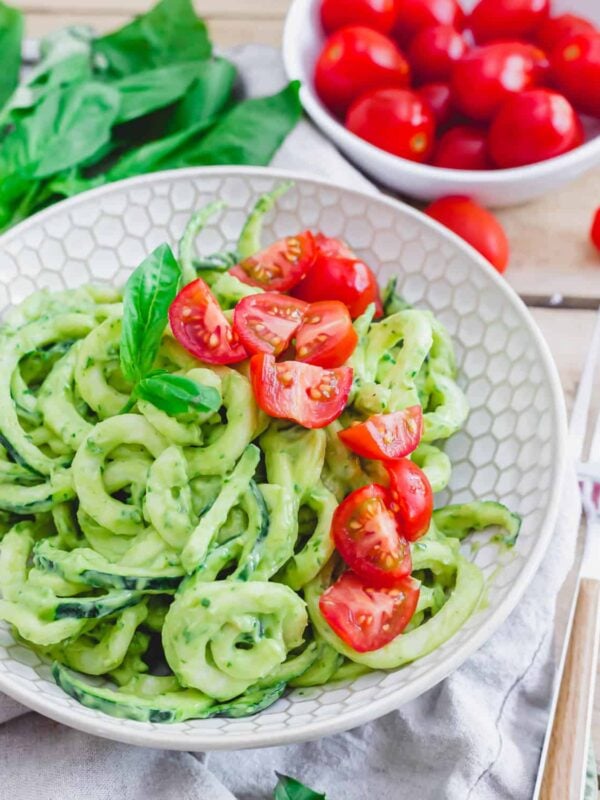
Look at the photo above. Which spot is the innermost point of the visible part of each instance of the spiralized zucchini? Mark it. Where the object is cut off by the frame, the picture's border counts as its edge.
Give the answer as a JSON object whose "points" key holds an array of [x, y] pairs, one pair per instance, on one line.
{"points": [[204, 536]]}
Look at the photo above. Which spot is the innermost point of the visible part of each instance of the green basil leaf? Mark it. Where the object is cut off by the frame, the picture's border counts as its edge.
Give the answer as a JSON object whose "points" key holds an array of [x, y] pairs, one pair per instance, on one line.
{"points": [[149, 292], [176, 394], [11, 35], [170, 32], [290, 789], [206, 97]]}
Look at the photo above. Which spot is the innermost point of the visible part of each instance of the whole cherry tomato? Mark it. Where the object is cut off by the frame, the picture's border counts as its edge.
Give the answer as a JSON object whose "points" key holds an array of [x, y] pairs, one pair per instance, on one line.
{"points": [[485, 76], [395, 120], [462, 147], [595, 230], [494, 20], [533, 126], [475, 225], [433, 51], [414, 15], [555, 29], [379, 15], [576, 70], [355, 60], [439, 97]]}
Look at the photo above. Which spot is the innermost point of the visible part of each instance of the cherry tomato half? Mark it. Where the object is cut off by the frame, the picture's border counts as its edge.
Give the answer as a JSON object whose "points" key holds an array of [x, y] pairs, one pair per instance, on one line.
{"points": [[439, 98], [386, 436], [576, 70], [595, 230], [366, 618], [267, 322], [376, 14], [339, 275], [411, 498], [326, 337], [475, 225], [433, 51], [281, 266], [200, 326], [554, 30], [396, 120], [462, 147], [533, 126], [494, 20], [354, 61], [311, 396], [485, 76], [414, 15]]}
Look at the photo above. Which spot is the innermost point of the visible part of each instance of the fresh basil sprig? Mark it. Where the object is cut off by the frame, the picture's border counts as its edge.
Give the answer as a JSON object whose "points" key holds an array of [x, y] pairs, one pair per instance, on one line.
{"points": [[290, 789], [176, 394]]}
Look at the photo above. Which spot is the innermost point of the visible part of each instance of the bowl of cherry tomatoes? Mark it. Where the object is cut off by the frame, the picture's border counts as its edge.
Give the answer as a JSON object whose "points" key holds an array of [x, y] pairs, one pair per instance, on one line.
{"points": [[495, 99]]}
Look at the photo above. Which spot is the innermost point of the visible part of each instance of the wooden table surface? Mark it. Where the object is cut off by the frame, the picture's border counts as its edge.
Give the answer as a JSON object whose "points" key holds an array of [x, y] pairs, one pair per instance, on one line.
{"points": [[549, 238]]}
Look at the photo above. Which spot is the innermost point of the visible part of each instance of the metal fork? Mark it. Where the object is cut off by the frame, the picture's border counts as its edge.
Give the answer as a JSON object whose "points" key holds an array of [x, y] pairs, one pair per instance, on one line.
{"points": [[565, 753]]}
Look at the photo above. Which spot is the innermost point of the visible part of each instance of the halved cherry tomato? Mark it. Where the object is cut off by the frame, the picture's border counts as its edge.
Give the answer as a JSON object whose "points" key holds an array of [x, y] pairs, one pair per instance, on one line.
{"points": [[376, 14], [338, 274], [367, 618], [266, 323], [462, 147], [486, 76], [411, 498], [595, 230], [414, 15], [439, 97], [576, 70], [311, 396], [555, 30], [354, 61], [366, 536], [200, 326], [475, 225], [326, 337], [533, 126], [386, 436], [281, 266], [494, 20], [433, 51]]}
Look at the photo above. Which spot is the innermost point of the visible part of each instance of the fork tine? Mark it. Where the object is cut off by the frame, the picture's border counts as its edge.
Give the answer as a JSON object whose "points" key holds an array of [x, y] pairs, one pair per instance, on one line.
{"points": [[583, 398]]}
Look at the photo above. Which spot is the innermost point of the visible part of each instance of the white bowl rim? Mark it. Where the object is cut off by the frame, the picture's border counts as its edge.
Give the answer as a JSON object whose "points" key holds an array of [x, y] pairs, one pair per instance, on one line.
{"points": [[470, 178], [140, 733]]}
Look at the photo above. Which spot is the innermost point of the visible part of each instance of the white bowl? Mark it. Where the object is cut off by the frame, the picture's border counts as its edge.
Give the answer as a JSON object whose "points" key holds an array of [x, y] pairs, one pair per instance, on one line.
{"points": [[302, 43], [512, 448]]}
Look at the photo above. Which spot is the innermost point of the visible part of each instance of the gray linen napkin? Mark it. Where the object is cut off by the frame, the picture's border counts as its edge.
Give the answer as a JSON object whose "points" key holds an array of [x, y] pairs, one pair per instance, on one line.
{"points": [[476, 736]]}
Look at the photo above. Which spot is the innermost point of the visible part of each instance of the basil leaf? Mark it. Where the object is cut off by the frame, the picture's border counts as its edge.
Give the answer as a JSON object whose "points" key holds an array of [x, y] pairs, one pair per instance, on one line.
{"points": [[149, 292], [175, 394], [206, 96], [11, 34], [290, 789], [170, 32]]}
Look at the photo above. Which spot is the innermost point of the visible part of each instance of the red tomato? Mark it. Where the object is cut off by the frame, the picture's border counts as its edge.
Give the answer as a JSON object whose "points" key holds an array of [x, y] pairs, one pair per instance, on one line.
{"points": [[433, 51], [462, 147], [200, 326], [439, 99], [533, 126], [485, 76], [475, 225], [595, 230], [367, 618], [555, 29], [386, 436], [494, 20], [414, 15], [354, 61], [281, 266], [376, 14], [411, 498], [266, 323], [339, 275], [311, 396], [396, 120], [326, 337], [576, 70], [366, 536]]}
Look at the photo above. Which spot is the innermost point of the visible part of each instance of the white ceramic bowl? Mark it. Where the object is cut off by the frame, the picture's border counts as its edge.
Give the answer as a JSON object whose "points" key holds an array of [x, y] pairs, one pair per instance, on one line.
{"points": [[512, 447], [302, 43]]}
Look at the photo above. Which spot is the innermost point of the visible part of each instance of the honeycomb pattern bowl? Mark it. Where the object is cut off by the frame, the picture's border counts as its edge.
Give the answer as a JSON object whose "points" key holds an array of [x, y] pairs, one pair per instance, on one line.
{"points": [[512, 448]]}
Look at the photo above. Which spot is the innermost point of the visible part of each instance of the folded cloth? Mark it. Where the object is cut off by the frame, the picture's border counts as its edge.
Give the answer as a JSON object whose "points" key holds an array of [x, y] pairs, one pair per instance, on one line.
{"points": [[476, 736]]}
